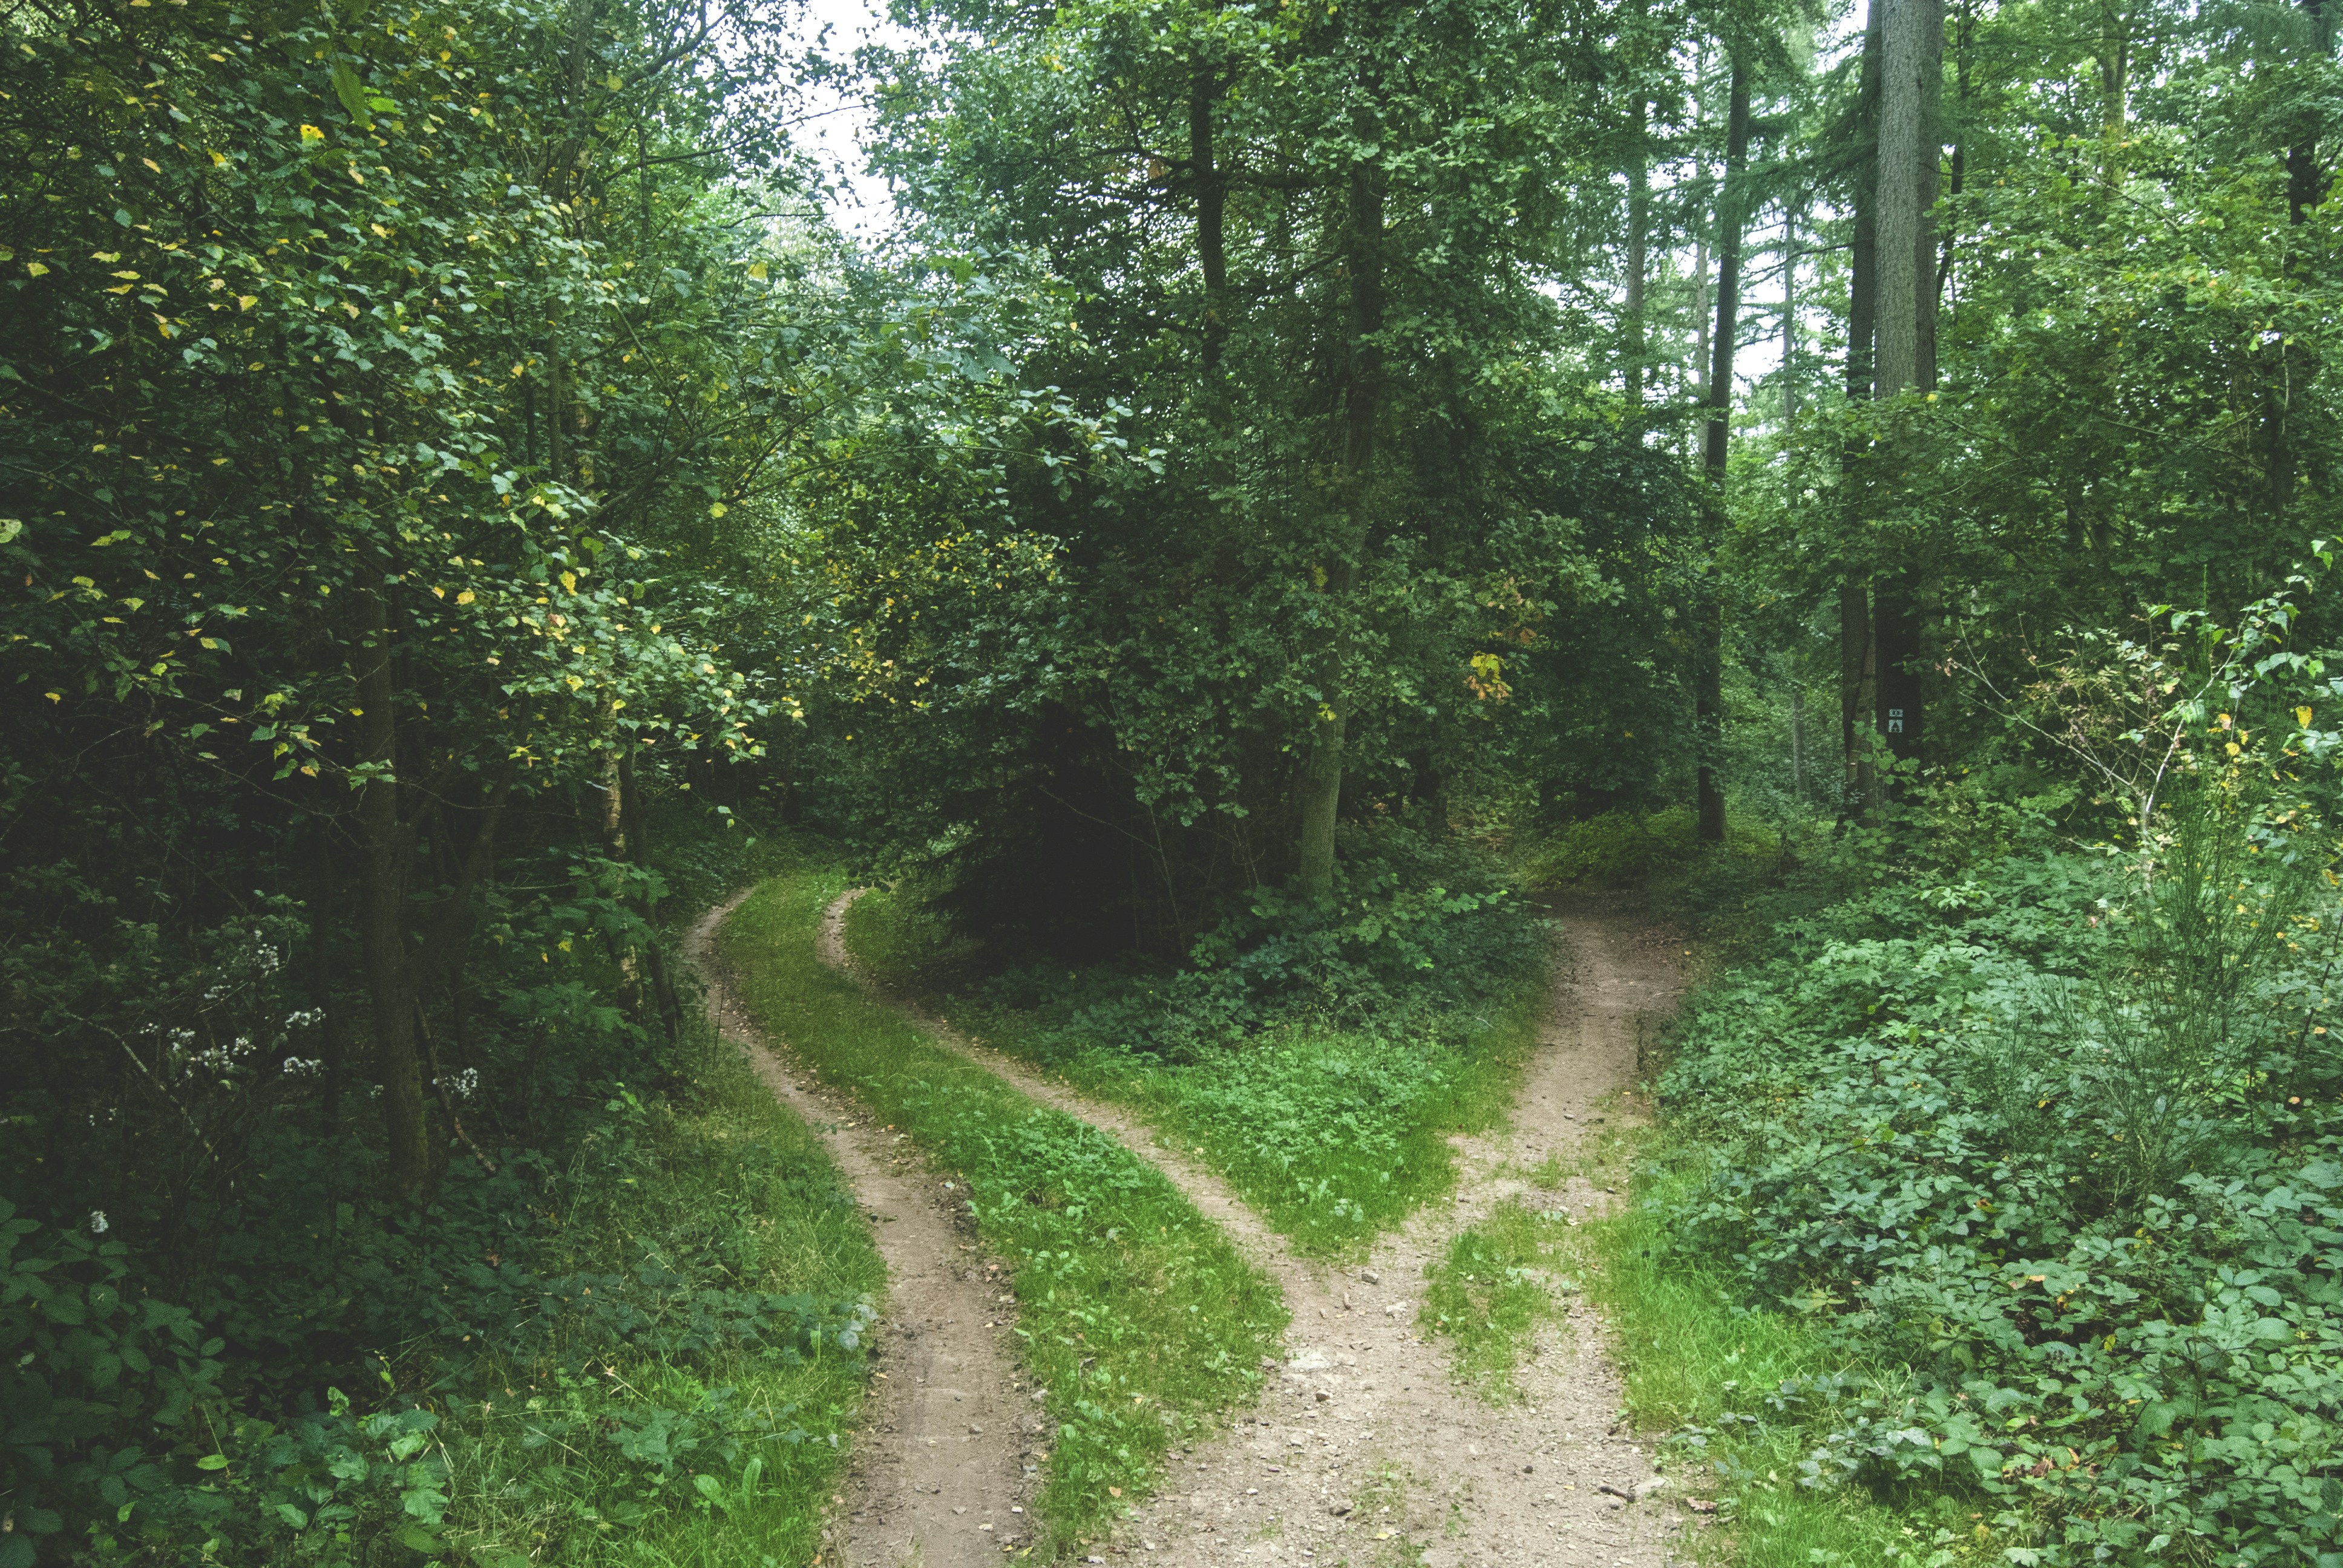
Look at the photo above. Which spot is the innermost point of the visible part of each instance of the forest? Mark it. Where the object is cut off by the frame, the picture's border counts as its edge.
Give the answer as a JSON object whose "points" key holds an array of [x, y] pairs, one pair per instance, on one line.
{"points": [[1287, 529]]}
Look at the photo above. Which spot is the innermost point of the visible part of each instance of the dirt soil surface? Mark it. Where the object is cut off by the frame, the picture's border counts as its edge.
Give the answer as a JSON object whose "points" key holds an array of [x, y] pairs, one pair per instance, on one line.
{"points": [[942, 1475], [1364, 1449]]}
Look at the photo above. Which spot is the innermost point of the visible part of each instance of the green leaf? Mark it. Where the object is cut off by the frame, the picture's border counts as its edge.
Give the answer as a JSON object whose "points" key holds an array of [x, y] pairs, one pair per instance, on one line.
{"points": [[352, 94]]}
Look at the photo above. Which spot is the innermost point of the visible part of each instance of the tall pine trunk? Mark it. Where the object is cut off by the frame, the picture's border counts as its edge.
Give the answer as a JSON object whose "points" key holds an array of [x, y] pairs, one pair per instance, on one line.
{"points": [[1911, 76], [1709, 692], [1855, 674]]}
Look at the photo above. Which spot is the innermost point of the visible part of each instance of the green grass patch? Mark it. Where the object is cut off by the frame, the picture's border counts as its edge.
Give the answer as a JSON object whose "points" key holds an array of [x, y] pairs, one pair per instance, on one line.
{"points": [[1136, 1314], [660, 1432], [1741, 1398], [1334, 1135], [1499, 1280]]}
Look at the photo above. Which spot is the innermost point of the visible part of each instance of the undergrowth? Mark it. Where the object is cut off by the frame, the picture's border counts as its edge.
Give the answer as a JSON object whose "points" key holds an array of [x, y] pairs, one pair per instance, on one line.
{"points": [[638, 1340], [1334, 1135], [1135, 1314]]}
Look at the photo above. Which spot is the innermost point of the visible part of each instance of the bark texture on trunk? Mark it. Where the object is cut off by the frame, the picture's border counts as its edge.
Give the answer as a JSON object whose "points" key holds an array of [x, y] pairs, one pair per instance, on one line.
{"points": [[1709, 692], [1862, 316], [1911, 78]]}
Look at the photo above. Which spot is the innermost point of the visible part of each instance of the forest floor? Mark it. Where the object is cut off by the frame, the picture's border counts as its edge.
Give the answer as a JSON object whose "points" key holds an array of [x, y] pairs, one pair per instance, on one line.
{"points": [[1365, 1448]]}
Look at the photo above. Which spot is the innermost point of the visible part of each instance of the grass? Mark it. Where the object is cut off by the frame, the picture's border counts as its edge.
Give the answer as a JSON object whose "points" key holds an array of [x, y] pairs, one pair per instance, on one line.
{"points": [[1499, 1282], [661, 1454], [1332, 1135], [1717, 1381], [1133, 1310]]}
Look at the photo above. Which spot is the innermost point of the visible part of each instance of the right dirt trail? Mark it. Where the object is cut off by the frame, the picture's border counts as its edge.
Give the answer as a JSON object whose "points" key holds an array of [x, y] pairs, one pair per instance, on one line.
{"points": [[1365, 1449]]}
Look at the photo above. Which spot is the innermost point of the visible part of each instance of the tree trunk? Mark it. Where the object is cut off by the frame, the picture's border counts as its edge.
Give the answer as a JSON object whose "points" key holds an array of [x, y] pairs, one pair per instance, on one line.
{"points": [[639, 847], [1212, 206], [382, 910], [1709, 695], [1639, 229], [1906, 186], [1909, 146], [1790, 254], [1862, 320], [1321, 772]]}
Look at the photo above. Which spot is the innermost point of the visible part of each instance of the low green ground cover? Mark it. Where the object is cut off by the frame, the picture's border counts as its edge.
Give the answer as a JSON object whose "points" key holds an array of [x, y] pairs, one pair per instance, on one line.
{"points": [[638, 1341], [1323, 1082], [1136, 1313], [2001, 1190]]}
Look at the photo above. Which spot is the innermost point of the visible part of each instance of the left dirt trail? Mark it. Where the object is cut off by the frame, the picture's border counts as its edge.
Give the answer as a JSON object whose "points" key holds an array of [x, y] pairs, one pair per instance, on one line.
{"points": [[937, 1465]]}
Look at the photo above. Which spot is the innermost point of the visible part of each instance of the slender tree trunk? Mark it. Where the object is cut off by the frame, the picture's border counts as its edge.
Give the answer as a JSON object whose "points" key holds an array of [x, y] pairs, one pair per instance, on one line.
{"points": [[1709, 694], [663, 991], [382, 910], [1639, 231], [1322, 773], [1797, 740], [1855, 693], [1790, 254], [2115, 92], [1212, 206]]}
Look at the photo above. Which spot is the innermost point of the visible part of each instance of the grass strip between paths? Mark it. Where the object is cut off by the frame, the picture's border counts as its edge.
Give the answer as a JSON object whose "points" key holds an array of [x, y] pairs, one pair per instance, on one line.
{"points": [[1136, 1313], [1332, 1135]]}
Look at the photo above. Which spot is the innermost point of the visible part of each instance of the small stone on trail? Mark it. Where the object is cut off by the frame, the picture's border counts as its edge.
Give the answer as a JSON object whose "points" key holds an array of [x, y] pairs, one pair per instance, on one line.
{"points": [[1371, 1277]]}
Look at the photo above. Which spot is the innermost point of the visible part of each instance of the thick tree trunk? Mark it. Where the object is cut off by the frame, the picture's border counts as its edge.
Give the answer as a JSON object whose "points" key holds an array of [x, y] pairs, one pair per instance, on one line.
{"points": [[1709, 694], [1911, 75], [1905, 188], [382, 911], [1321, 772]]}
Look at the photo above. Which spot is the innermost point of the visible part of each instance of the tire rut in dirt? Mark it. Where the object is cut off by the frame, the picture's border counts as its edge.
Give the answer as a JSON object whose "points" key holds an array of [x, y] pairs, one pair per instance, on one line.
{"points": [[1363, 1447], [940, 1456]]}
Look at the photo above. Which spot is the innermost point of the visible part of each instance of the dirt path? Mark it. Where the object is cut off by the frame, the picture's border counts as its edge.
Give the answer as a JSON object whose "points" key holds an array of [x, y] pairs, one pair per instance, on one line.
{"points": [[939, 1476], [1364, 1450]]}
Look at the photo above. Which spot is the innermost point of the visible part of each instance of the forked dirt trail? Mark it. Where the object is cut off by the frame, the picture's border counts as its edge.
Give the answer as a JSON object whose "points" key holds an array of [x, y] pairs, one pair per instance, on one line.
{"points": [[1364, 1450], [938, 1479]]}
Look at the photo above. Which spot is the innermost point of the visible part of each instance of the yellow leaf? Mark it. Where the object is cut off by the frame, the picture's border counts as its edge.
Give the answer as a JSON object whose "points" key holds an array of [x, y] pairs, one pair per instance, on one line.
{"points": [[151, 164], [217, 159], [132, 276], [464, 597], [36, 269], [757, 270], [247, 301], [312, 134], [568, 582], [2302, 716]]}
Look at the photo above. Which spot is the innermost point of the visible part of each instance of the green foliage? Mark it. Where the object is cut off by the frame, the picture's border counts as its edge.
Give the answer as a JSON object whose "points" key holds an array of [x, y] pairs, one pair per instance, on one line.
{"points": [[2060, 1144], [1319, 1061], [1136, 1316]]}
